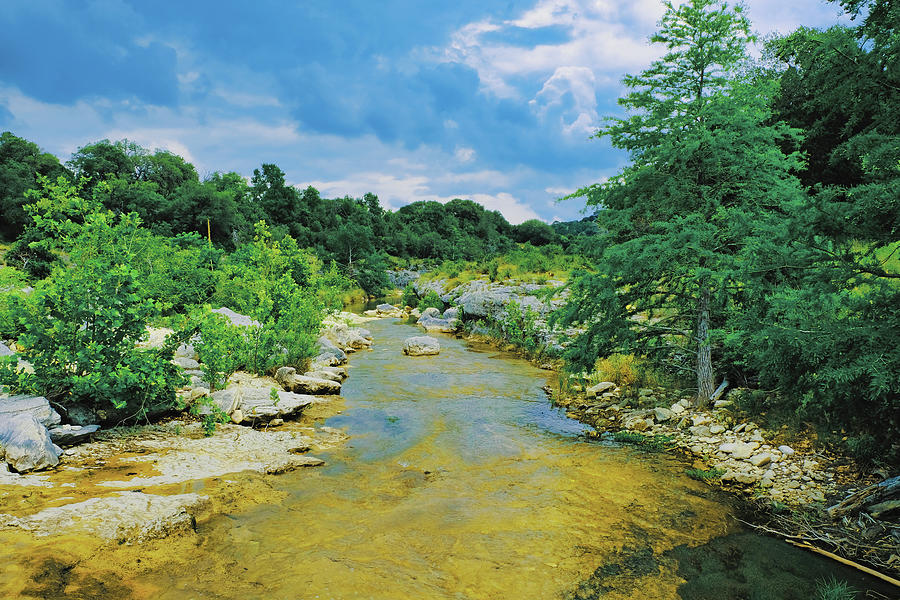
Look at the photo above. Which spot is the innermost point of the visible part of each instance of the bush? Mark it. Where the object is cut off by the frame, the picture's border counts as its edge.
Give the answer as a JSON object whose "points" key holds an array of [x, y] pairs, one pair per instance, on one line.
{"points": [[626, 371], [263, 280], [518, 326], [431, 300], [81, 331], [410, 298], [12, 300], [221, 346]]}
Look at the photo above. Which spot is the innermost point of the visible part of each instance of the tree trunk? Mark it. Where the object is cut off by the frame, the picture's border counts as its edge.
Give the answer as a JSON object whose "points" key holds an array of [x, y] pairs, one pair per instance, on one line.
{"points": [[705, 379]]}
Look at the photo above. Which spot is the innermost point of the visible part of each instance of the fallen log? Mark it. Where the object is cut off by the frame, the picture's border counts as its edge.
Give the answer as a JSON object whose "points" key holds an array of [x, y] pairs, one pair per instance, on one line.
{"points": [[845, 561], [882, 498]]}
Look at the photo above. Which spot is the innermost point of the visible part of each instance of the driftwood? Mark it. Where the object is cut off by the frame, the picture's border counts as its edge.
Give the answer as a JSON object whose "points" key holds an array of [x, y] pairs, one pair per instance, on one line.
{"points": [[719, 390], [860, 540], [845, 561], [879, 500]]}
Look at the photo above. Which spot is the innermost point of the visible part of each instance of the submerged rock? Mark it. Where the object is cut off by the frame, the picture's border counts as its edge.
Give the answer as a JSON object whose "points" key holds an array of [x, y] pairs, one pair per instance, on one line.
{"points": [[26, 445], [421, 345], [126, 517]]}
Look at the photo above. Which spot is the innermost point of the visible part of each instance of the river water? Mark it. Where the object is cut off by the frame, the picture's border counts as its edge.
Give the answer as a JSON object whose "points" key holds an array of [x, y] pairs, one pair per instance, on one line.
{"points": [[461, 481]]}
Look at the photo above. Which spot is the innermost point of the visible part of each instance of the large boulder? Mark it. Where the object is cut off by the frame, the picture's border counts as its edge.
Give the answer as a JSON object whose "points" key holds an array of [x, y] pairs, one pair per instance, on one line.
{"points": [[70, 435], [36, 406], [421, 345], [26, 445], [388, 310], [288, 378], [432, 320], [236, 318], [248, 404], [329, 354], [347, 338]]}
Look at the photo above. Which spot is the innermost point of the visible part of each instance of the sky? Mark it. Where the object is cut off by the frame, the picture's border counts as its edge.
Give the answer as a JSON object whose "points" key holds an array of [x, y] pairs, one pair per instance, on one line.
{"points": [[410, 100]]}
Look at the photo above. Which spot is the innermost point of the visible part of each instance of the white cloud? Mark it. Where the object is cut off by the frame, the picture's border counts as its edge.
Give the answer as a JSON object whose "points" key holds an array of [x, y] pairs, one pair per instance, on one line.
{"points": [[513, 209], [559, 192], [578, 82], [464, 155]]}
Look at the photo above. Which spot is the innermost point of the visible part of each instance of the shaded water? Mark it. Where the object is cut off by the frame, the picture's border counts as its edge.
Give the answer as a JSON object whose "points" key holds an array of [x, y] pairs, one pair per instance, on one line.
{"points": [[460, 481]]}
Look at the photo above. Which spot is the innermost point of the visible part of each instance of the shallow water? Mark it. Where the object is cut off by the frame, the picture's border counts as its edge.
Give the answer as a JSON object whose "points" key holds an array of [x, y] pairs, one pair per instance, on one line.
{"points": [[461, 481]]}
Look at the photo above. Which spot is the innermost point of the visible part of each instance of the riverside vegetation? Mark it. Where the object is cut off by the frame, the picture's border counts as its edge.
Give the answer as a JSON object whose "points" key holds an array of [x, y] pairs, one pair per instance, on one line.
{"points": [[751, 243]]}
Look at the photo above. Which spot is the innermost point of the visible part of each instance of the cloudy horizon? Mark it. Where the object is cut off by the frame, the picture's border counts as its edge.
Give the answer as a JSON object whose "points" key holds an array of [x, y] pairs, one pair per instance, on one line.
{"points": [[491, 102]]}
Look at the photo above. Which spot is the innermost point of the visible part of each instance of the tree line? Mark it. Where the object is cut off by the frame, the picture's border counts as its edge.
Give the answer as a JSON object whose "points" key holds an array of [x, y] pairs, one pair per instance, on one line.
{"points": [[169, 197]]}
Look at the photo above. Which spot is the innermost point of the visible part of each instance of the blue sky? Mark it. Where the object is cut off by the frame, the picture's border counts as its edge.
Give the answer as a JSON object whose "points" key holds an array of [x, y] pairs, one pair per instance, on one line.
{"points": [[427, 100]]}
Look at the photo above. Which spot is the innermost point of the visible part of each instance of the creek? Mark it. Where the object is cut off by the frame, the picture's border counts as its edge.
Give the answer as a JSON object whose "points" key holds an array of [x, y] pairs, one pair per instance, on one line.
{"points": [[461, 481]]}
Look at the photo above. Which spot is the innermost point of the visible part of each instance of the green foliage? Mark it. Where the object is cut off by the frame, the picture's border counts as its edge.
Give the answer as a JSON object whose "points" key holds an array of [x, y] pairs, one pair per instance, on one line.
{"points": [[371, 274], [81, 330], [431, 299], [676, 220], [12, 299], [9, 374], [704, 475], [179, 272], [22, 164], [626, 371], [210, 414], [518, 326], [272, 282], [826, 271], [221, 346], [410, 298], [834, 589], [535, 232]]}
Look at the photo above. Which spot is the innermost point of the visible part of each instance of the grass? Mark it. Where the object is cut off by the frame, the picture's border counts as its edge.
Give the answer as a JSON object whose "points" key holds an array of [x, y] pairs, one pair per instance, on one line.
{"points": [[704, 475], [834, 589], [524, 263]]}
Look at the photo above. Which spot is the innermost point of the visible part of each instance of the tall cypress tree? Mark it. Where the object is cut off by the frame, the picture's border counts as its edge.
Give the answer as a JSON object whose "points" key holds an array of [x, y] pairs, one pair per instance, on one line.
{"points": [[706, 167]]}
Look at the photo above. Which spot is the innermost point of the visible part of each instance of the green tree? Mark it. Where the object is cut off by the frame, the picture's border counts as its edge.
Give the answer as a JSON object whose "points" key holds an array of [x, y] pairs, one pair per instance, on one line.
{"points": [[83, 323], [705, 169], [21, 165], [829, 270]]}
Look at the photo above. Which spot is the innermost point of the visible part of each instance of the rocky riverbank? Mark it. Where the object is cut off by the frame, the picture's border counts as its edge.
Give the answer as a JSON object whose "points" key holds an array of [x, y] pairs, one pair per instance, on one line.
{"points": [[131, 485], [798, 487]]}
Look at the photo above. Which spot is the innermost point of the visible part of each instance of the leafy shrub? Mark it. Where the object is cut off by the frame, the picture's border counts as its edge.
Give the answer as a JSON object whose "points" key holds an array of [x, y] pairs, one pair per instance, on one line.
{"points": [[626, 371], [179, 272], [12, 281], [409, 298], [81, 331], [518, 326], [274, 283], [221, 346], [431, 300]]}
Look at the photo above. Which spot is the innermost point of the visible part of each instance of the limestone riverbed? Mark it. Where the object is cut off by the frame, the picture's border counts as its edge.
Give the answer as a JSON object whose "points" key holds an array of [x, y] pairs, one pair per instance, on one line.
{"points": [[444, 476]]}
